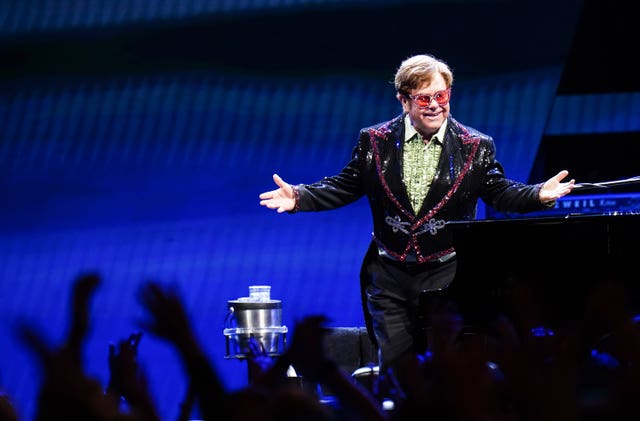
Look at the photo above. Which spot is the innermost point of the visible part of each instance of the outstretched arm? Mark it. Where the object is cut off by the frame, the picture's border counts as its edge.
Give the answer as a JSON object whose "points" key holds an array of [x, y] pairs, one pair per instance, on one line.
{"points": [[167, 319], [554, 188], [127, 379], [283, 198], [67, 391]]}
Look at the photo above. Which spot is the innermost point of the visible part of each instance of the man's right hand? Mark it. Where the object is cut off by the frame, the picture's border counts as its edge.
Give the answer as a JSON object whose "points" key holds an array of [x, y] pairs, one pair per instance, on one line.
{"points": [[282, 198]]}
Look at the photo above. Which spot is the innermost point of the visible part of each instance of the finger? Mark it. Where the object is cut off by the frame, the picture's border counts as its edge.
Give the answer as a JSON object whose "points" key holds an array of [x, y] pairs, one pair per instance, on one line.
{"points": [[267, 195], [273, 204], [279, 181], [561, 175]]}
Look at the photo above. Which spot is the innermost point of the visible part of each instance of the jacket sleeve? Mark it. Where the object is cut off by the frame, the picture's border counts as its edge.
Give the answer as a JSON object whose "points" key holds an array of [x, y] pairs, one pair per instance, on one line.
{"points": [[334, 191], [503, 194]]}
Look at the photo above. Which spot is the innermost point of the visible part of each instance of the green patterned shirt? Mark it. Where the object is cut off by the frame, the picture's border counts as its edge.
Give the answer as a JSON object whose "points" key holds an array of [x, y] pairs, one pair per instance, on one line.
{"points": [[420, 161]]}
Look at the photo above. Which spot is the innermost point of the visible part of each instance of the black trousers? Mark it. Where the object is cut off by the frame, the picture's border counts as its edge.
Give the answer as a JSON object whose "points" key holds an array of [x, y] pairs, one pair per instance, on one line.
{"points": [[396, 297]]}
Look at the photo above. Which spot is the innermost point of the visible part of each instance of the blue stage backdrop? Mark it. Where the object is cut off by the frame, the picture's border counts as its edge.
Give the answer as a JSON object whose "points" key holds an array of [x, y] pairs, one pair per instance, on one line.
{"points": [[137, 135], [158, 176]]}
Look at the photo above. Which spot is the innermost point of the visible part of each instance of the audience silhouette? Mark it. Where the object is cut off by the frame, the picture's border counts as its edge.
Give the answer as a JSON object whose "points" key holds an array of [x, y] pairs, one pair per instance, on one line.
{"points": [[67, 392], [516, 369]]}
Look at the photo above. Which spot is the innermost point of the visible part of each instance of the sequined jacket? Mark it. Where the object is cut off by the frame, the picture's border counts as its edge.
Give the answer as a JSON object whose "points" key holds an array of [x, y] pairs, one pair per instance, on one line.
{"points": [[467, 171]]}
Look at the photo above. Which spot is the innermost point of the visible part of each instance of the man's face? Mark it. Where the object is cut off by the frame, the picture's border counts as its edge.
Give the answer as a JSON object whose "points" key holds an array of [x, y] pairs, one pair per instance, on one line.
{"points": [[427, 118]]}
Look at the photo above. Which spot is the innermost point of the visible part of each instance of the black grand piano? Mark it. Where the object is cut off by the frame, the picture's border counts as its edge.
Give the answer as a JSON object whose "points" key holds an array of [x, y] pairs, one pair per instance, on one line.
{"points": [[559, 259], [594, 234]]}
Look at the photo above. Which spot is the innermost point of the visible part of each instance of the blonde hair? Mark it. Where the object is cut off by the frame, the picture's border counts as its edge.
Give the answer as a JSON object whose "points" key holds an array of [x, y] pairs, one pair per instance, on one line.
{"points": [[416, 70]]}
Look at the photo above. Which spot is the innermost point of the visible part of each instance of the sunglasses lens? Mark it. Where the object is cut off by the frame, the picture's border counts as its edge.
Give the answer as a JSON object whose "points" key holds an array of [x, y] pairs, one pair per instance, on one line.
{"points": [[442, 97], [423, 101]]}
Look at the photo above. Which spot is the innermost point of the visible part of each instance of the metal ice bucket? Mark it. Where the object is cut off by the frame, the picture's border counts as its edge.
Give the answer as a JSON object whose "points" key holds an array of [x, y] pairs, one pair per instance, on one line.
{"points": [[255, 315], [261, 320]]}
